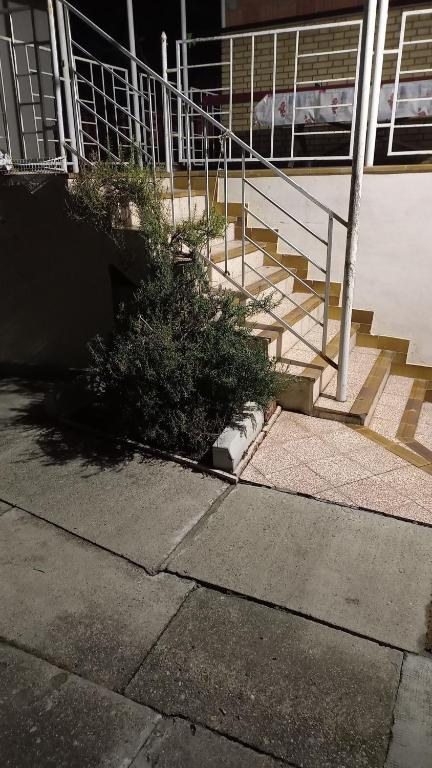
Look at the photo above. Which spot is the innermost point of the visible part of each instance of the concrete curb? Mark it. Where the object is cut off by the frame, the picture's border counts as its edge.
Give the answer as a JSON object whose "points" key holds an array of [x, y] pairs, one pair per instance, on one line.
{"points": [[232, 444]]}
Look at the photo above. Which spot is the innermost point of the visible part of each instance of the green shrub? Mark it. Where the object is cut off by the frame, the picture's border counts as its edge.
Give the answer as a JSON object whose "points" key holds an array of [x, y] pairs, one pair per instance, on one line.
{"points": [[180, 363]]}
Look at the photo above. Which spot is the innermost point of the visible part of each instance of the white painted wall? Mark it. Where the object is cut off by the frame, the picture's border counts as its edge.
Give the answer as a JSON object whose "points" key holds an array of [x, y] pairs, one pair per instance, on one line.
{"points": [[394, 265]]}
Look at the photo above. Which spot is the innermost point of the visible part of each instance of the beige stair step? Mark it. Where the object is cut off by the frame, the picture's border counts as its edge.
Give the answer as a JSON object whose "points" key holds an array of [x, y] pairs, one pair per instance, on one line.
{"points": [[254, 258], [260, 286], [290, 260], [361, 363], [390, 410], [367, 376], [234, 209], [181, 193], [234, 251], [415, 426], [307, 379], [279, 338]]}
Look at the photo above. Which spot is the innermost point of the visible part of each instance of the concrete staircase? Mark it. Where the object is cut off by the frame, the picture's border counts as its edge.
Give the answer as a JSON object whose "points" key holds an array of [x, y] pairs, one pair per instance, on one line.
{"points": [[378, 364]]}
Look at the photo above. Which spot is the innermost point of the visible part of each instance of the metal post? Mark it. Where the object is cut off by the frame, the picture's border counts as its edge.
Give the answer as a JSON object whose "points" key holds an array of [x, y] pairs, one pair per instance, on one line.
{"points": [[223, 14], [225, 161], [184, 47], [67, 86], [243, 215], [366, 53], [134, 78], [165, 98], [327, 282], [57, 84], [376, 81], [185, 78]]}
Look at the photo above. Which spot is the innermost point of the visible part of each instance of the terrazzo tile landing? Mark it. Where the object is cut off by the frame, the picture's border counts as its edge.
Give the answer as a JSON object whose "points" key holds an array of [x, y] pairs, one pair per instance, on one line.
{"points": [[329, 460]]}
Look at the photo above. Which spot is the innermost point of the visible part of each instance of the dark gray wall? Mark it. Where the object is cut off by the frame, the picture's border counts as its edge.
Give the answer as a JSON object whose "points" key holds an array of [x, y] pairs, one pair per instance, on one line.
{"points": [[56, 288]]}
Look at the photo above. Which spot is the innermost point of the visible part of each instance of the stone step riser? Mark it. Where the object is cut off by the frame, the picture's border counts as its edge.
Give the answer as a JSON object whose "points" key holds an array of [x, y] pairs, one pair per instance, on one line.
{"points": [[281, 346], [255, 259]]}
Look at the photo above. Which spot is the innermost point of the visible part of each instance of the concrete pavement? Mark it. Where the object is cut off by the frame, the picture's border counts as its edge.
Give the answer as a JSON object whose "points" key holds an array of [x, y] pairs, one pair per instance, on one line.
{"points": [[121, 645]]}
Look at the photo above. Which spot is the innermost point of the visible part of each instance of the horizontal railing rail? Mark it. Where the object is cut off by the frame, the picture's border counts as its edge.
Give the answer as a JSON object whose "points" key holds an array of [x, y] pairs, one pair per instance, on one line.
{"points": [[186, 121], [249, 55]]}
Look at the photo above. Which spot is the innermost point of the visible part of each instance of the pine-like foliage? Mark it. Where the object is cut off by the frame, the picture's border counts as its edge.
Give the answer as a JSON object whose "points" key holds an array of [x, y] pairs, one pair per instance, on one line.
{"points": [[180, 363]]}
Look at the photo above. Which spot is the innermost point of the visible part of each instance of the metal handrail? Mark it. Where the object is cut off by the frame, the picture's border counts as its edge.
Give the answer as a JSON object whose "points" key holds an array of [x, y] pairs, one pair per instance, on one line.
{"points": [[189, 103], [227, 137]]}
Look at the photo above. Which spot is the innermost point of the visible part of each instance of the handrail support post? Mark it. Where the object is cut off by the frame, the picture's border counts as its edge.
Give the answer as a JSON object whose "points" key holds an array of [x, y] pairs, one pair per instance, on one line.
{"points": [[366, 54]]}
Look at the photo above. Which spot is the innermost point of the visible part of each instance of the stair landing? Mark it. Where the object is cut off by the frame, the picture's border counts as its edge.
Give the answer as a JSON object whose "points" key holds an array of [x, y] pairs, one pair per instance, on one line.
{"points": [[330, 460]]}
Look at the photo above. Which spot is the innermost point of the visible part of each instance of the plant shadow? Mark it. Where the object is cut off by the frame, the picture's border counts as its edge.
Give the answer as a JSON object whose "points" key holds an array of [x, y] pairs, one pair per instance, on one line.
{"points": [[32, 410]]}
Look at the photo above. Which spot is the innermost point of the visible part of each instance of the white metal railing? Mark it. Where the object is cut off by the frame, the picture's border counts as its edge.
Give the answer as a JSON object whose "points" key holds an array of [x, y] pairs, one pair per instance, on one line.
{"points": [[297, 118], [193, 118], [401, 101], [309, 73], [25, 65]]}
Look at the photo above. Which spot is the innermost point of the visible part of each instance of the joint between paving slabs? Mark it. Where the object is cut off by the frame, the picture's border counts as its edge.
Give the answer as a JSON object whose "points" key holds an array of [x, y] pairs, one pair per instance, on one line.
{"points": [[213, 508], [202, 584], [344, 505], [194, 586], [229, 737], [394, 707], [91, 543]]}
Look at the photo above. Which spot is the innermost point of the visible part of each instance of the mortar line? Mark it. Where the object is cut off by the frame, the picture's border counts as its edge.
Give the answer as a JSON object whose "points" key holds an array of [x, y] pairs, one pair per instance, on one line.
{"points": [[291, 611]]}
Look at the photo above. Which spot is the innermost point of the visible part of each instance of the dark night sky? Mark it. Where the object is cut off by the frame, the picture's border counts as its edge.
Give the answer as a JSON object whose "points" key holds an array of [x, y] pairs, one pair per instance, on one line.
{"points": [[151, 18]]}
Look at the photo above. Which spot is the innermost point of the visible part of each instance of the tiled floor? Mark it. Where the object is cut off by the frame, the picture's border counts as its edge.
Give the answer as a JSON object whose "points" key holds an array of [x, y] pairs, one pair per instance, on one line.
{"points": [[329, 460]]}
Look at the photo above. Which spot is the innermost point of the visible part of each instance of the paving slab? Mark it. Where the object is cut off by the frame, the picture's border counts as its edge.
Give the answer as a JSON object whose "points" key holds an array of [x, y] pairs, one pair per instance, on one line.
{"points": [[19, 402], [411, 742], [51, 718], [4, 507], [179, 744], [291, 687], [76, 605], [358, 570], [139, 509]]}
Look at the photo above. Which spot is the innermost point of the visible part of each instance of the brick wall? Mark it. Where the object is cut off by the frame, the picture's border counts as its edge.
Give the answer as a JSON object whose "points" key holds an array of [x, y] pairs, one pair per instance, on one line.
{"points": [[316, 68]]}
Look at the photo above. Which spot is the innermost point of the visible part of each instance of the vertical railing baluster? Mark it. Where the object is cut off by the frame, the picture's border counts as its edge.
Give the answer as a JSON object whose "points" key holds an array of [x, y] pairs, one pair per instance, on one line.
{"points": [[171, 157], [179, 106], [207, 201], [294, 93], [243, 215], [165, 99], [151, 128], [251, 107], [230, 92], [273, 95], [188, 160], [57, 87], [71, 112], [327, 282], [225, 200]]}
